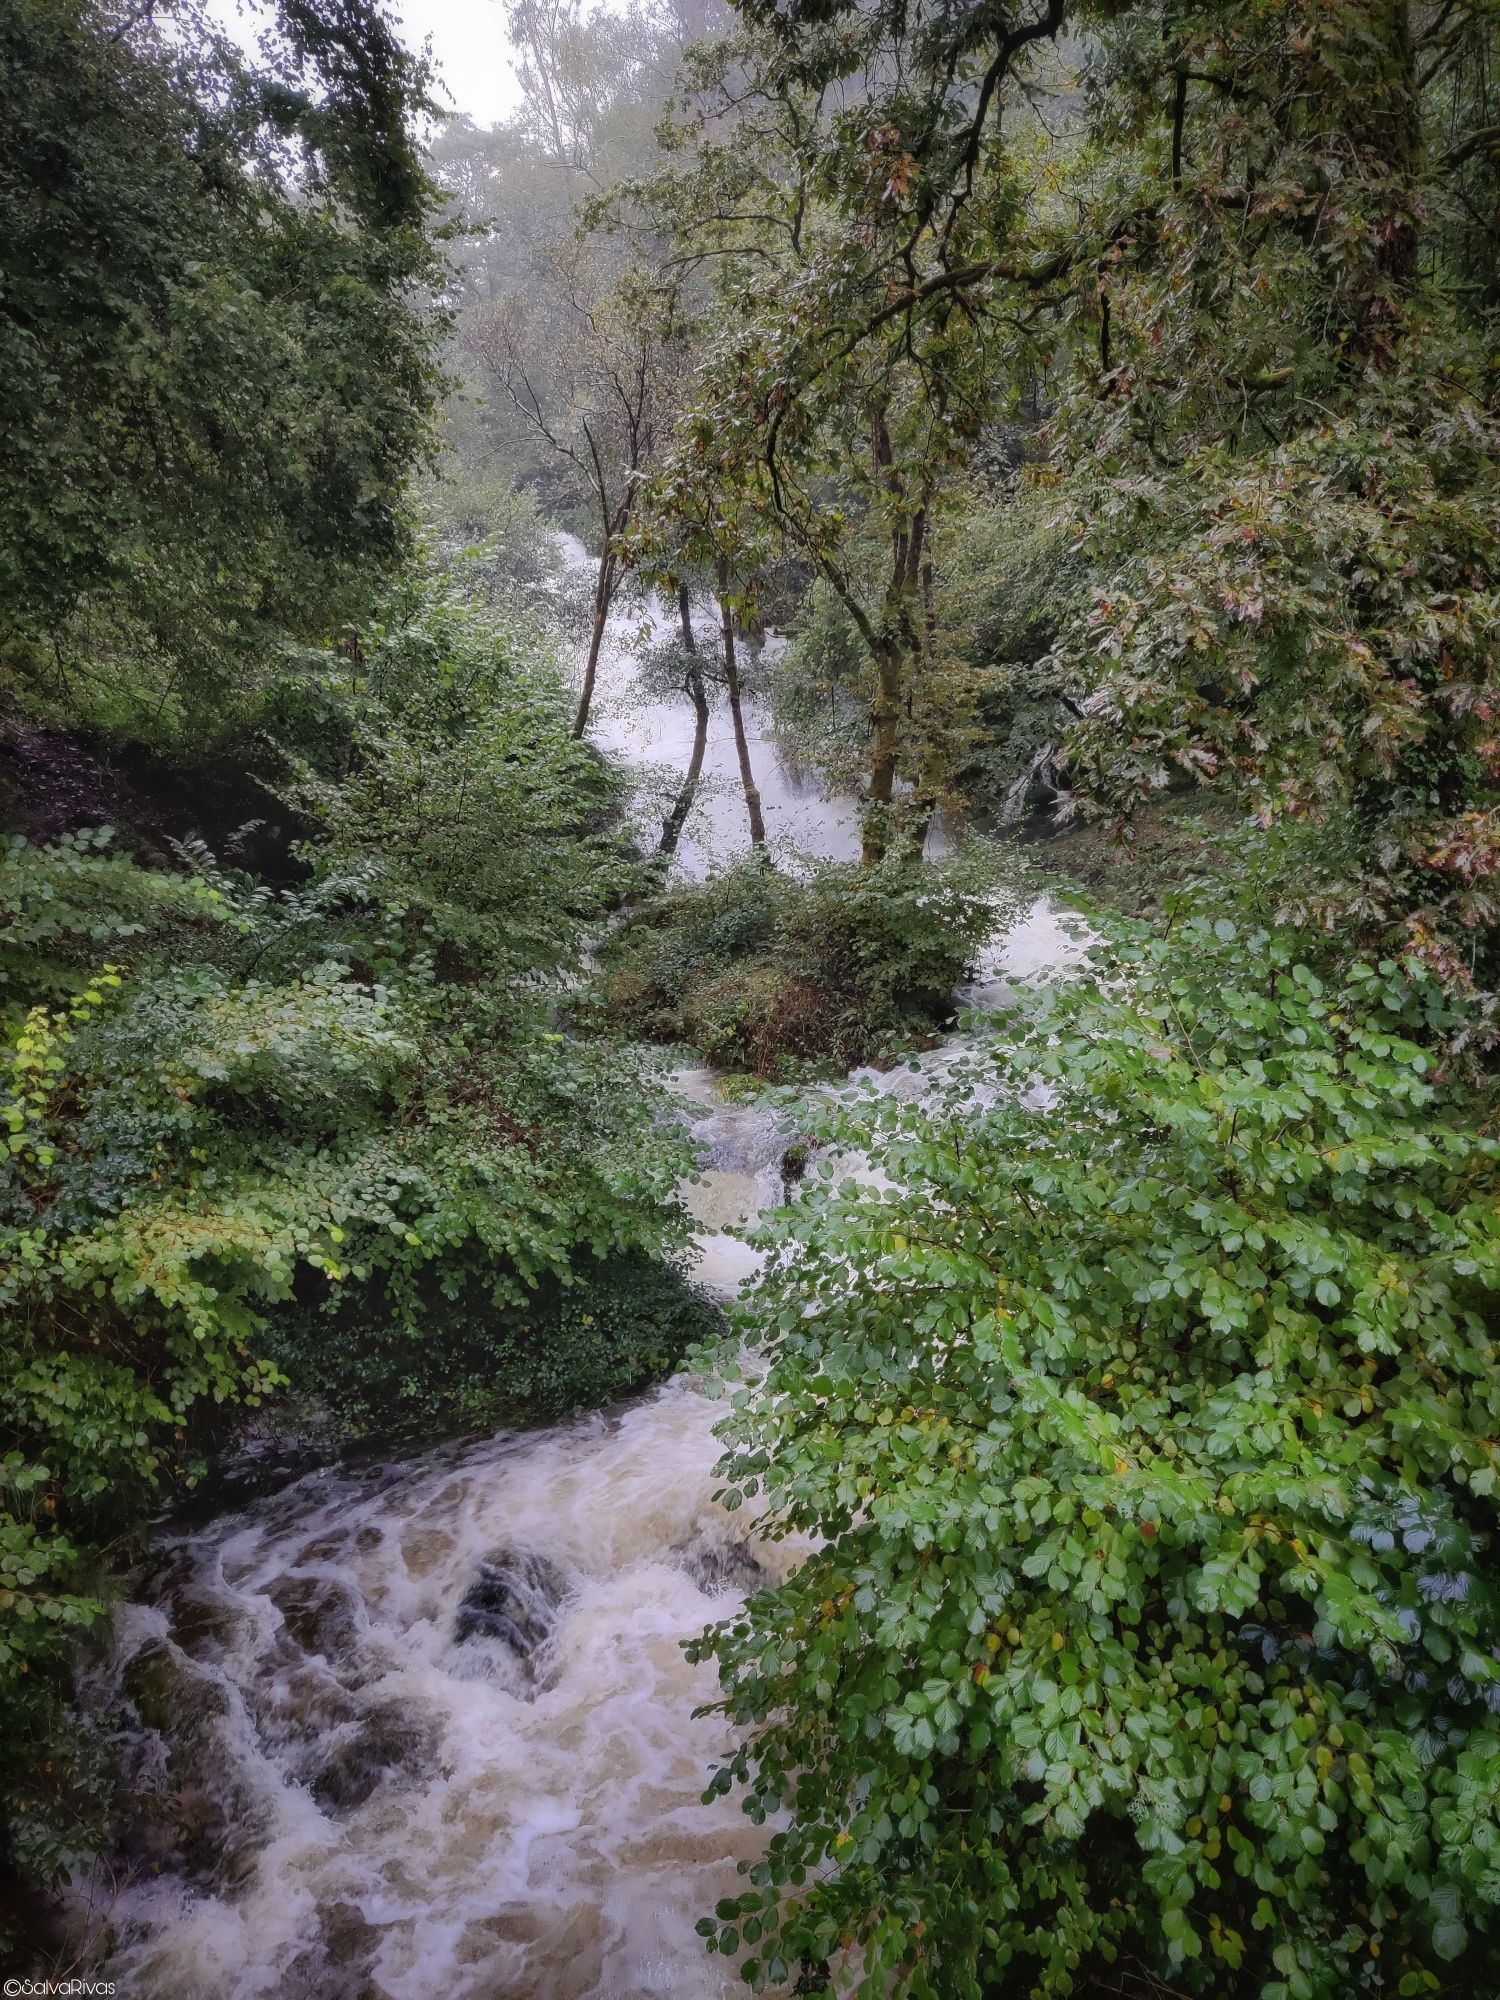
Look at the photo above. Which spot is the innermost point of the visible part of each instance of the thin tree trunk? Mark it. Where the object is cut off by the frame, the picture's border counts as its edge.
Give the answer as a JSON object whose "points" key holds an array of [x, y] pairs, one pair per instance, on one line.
{"points": [[676, 819], [875, 827], [742, 747], [1390, 131], [929, 764], [604, 591], [924, 805]]}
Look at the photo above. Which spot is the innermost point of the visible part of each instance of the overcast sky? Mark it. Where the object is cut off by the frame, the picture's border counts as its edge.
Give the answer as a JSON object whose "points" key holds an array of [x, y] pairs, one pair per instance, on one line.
{"points": [[475, 73], [468, 39]]}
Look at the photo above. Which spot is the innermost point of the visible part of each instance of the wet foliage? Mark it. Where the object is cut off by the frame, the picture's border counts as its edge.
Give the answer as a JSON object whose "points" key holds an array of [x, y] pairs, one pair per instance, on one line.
{"points": [[1145, 1414]]}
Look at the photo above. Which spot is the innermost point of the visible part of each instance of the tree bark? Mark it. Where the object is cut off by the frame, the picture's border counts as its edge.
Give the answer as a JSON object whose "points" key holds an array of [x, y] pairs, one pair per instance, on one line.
{"points": [[697, 693], [604, 592], [676, 819], [1385, 128], [885, 712], [741, 745]]}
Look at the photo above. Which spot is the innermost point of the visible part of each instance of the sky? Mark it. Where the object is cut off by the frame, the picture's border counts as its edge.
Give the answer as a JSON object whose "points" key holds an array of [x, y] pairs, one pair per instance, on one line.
{"points": [[475, 72], [474, 64]]}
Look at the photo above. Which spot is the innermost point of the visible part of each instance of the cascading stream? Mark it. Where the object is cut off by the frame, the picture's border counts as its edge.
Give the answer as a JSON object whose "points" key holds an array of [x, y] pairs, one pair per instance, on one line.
{"points": [[424, 1730], [435, 1726]]}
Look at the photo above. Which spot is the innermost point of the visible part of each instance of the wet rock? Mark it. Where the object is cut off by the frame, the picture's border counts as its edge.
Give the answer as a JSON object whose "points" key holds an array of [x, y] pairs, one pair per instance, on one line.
{"points": [[512, 1603], [169, 1696], [718, 1566], [322, 1615], [196, 1802], [389, 1743], [207, 1627], [300, 1701], [794, 1165], [335, 1966]]}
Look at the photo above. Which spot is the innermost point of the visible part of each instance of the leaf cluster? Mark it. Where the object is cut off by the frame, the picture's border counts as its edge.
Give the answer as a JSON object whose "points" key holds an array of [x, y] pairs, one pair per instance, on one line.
{"points": [[1143, 1421]]}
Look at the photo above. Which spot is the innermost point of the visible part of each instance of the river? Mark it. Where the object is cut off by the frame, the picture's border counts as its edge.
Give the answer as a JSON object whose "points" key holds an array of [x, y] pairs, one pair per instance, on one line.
{"points": [[425, 1728]]}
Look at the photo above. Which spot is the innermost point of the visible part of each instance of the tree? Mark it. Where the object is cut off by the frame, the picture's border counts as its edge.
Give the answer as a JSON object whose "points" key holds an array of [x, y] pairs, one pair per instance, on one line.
{"points": [[1293, 544], [193, 246], [1220, 276], [842, 440], [694, 688], [589, 375]]}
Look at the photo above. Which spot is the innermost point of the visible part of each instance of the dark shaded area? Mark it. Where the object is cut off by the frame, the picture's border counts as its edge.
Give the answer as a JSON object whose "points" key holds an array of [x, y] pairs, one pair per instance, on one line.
{"points": [[55, 781]]}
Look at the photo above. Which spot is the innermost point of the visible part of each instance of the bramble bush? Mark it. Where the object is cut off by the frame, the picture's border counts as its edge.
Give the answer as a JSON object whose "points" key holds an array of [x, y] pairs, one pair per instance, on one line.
{"points": [[1146, 1419]]}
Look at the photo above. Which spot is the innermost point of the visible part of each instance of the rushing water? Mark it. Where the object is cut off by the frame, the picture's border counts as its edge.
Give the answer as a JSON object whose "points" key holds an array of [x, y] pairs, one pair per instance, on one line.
{"points": [[424, 1730], [656, 736]]}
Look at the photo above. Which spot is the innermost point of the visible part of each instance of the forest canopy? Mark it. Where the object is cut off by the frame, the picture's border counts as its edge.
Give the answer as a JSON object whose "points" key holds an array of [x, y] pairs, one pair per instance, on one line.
{"points": [[219, 339]]}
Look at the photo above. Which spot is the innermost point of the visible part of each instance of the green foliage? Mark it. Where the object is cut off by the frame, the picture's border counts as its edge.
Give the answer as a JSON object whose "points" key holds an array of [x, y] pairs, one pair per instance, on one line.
{"points": [[218, 361], [1291, 440], [782, 975], [471, 1356], [334, 1114], [820, 687], [1144, 1420], [1010, 575], [460, 760], [63, 905], [1321, 616], [513, 554]]}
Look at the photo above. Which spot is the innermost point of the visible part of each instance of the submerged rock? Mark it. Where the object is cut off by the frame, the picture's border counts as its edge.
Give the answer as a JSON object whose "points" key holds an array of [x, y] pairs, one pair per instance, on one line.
{"points": [[322, 1615], [512, 1604], [717, 1567], [389, 1743], [203, 1811]]}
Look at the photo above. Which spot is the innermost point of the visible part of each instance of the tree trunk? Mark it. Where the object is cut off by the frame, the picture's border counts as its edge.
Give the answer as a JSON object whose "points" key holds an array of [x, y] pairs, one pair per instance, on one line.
{"points": [[676, 819], [1384, 126], [604, 592], [742, 747], [875, 827], [685, 615]]}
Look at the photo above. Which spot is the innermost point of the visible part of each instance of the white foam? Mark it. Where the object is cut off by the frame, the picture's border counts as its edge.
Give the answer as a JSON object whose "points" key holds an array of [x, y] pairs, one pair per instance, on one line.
{"points": [[546, 1842]]}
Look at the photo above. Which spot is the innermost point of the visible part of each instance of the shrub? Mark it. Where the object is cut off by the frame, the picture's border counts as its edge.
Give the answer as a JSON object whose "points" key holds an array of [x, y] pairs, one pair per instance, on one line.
{"points": [[781, 975], [1146, 1420], [63, 906], [467, 807], [483, 1360]]}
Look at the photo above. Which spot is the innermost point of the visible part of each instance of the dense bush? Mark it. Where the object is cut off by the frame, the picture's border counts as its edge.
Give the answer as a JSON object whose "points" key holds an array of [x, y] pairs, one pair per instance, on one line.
{"points": [[1145, 1416], [459, 761], [780, 975], [475, 1363]]}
